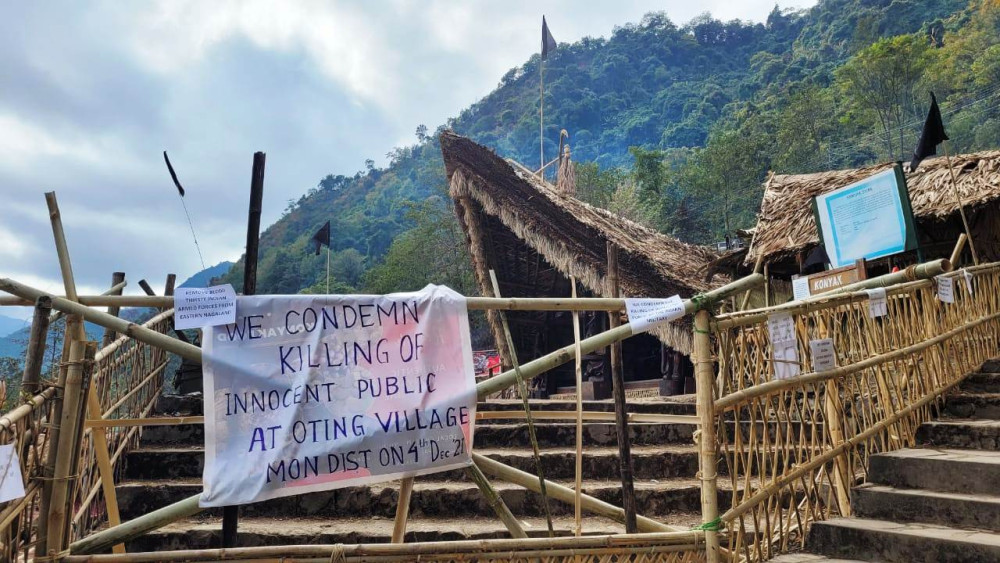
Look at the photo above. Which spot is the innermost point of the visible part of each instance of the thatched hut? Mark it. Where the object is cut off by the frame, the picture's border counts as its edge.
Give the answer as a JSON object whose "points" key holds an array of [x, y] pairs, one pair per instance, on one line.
{"points": [[535, 236], [786, 231]]}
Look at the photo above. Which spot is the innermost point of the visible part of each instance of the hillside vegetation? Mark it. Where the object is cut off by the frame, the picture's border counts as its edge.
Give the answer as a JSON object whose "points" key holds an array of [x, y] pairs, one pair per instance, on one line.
{"points": [[674, 126]]}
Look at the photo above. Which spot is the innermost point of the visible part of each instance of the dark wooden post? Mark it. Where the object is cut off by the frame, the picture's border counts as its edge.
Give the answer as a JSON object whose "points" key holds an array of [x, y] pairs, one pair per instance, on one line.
{"points": [[109, 335], [231, 514], [168, 287], [621, 409], [35, 355]]}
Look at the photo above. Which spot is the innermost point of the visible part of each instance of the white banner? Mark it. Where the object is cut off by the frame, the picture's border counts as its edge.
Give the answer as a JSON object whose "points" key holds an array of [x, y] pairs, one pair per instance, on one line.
{"points": [[307, 393]]}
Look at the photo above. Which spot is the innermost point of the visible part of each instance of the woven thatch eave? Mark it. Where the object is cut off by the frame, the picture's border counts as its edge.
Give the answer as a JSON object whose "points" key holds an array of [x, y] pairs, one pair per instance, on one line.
{"points": [[570, 234], [787, 226]]}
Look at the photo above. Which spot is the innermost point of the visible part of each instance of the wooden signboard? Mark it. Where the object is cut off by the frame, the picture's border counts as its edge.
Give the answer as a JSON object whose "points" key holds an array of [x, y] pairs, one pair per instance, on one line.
{"points": [[832, 279]]}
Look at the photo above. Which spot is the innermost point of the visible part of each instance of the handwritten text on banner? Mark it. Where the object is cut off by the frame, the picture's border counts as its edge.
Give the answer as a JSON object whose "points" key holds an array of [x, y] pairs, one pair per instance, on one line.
{"points": [[310, 393]]}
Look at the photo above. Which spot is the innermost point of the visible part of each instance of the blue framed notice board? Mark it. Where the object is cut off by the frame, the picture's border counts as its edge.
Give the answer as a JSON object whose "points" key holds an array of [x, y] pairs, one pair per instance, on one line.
{"points": [[868, 219]]}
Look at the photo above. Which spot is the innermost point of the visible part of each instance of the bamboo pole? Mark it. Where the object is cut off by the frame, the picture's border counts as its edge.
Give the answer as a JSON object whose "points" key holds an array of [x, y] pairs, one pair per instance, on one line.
{"points": [[113, 310], [34, 356], [402, 510], [961, 205], [523, 391], [578, 461], [81, 358], [104, 539], [113, 290], [956, 254], [621, 408], [756, 269], [565, 494], [495, 502], [708, 459], [500, 548]]}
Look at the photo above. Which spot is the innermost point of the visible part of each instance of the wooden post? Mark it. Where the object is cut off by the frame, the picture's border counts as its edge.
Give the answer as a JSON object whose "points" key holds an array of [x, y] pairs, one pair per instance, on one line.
{"points": [[961, 206], [402, 510], [231, 514], [709, 456], [109, 335], [35, 355], [168, 286], [621, 408], [578, 471], [81, 362], [147, 288]]}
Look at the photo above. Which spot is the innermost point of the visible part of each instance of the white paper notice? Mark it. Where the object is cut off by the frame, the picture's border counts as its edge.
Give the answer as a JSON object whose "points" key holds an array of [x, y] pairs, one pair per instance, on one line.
{"points": [[781, 328], [945, 289], [968, 280], [196, 307], [824, 357], [800, 288], [877, 304], [786, 361], [646, 313], [11, 482]]}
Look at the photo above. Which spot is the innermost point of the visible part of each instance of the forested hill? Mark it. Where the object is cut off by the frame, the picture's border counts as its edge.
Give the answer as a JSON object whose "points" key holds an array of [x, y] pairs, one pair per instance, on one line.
{"points": [[672, 125]]}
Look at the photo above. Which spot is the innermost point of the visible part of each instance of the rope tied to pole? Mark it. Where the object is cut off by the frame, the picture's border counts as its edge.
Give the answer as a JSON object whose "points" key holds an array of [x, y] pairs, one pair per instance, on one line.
{"points": [[713, 526], [703, 301], [337, 554]]}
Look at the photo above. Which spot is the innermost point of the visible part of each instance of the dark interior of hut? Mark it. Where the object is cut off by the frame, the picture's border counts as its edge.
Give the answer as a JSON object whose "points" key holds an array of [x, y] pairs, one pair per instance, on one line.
{"points": [[523, 272]]}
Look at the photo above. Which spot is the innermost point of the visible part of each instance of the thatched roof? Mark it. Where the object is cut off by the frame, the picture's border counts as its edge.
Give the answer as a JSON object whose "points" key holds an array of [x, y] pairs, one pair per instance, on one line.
{"points": [[494, 199], [786, 224]]}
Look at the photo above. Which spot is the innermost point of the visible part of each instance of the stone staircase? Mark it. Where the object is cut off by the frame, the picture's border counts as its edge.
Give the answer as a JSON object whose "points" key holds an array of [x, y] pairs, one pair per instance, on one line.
{"points": [[447, 506], [937, 502]]}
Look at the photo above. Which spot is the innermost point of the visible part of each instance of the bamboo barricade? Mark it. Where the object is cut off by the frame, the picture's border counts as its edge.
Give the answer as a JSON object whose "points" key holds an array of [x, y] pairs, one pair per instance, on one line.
{"points": [[793, 447]]}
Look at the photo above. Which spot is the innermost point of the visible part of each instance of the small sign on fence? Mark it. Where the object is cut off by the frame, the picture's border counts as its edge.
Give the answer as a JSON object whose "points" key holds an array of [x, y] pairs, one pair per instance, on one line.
{"points": [[644, 314], [945, 289], [824, 355], [196, 307], [11, 481], [784, 348], [878, 305], [310, 393]]}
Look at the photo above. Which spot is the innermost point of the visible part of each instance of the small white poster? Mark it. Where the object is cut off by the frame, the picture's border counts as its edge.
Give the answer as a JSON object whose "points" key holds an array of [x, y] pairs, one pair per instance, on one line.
{"points": [[644, 314], [824, 356], [11, 482], [945, 289], [878, 306], [781, 328], [197, 307], [786, 360], [800, 288], [968, 280]]}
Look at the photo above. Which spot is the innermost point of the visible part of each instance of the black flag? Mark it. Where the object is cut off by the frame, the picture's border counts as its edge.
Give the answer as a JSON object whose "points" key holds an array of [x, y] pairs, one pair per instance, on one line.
{"points": [[548, 42], [321, 238], [931, 136], [173, 174]]}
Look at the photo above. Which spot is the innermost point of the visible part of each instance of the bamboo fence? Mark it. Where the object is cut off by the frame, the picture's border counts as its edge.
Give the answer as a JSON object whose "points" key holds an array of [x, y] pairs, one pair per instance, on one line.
{"points": [[793, 448]]}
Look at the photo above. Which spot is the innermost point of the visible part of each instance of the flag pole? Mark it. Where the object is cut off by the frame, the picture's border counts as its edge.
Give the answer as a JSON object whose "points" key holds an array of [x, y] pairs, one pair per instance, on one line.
{"points": [[328, 270], [961, 206], [541, 116]]}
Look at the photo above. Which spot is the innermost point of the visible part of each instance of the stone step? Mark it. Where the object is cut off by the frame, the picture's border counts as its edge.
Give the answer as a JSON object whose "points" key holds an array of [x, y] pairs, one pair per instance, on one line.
{"points": [[205, 533], [180, 405], [436, 499], [810, 558], [892, 542], [980, 382], [961, 433], [550, 434], [990, 366], [655, 406], [947, 470], [960, 510], [648, 462], [973, 405]]}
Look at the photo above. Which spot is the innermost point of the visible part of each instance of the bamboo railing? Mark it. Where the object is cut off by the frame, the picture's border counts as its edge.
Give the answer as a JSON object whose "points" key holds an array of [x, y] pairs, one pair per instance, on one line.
{"points": [[793, 448]]}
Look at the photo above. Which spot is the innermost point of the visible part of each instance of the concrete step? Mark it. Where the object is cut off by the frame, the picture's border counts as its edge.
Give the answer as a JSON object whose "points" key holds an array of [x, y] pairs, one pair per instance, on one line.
{"points": [[980, 382], [655, 406], [960, 510], [961, 433], [550, 434], [648, 462], [947, 470], [973, 405], [436, 499], [810, 558], [205, 533], [892, 542]]}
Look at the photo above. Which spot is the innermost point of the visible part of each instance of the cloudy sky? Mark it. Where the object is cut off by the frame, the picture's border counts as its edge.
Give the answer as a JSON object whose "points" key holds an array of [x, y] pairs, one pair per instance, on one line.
{"points": [[91, 93]]}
